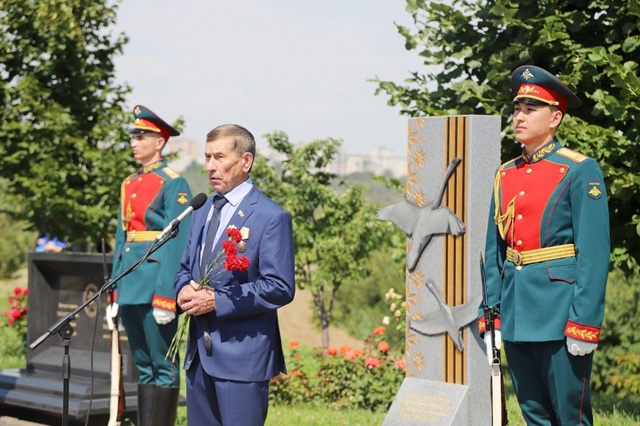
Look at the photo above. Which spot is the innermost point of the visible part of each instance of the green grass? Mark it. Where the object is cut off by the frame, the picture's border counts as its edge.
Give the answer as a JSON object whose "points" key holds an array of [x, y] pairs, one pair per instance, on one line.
{"points": [[308, 415]]}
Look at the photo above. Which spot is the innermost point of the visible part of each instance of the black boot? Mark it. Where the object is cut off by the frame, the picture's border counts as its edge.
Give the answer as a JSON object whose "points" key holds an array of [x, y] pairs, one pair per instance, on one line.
{"points": [[164, 412], [146, 398]]}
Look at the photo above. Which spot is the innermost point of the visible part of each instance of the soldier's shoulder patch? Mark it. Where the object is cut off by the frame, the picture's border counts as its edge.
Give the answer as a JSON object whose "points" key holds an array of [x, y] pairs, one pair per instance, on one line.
{"points": [[182, 198], [572, 155], [171, 173], [593, 189]]}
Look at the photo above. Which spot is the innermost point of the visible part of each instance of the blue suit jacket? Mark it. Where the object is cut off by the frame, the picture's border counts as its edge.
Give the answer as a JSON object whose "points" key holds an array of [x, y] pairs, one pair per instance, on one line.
{"points": [[244, 327]]}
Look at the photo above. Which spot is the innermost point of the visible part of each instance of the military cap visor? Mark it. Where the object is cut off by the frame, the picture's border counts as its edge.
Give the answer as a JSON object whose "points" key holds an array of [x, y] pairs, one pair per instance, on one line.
{"points": [[530, 101], [537, 86], [146, 120]]}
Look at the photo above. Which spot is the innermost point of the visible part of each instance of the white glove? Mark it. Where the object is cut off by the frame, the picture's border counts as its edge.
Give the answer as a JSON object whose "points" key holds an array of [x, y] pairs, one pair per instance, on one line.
{"points": [[580, 347], [163, 316], [111, 313], [489, 347]]}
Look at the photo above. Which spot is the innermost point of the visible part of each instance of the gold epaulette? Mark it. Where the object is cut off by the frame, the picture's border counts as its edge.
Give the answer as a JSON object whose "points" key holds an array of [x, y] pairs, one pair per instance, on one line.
{"points": [[513, 160], [171, 173], [572, 155]]}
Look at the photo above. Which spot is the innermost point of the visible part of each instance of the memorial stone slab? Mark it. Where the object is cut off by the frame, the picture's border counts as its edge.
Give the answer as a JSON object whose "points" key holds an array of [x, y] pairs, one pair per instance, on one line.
{"points": [[59, 283], [421, 401]]}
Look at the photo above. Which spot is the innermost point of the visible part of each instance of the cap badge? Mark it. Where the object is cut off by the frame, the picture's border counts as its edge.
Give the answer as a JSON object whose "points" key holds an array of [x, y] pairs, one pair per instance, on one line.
{"points": [[527, 74], [137, 110]]}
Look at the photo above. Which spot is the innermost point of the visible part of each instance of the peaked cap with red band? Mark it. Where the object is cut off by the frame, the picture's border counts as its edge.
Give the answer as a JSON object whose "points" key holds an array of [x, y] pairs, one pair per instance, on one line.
{"points": [[146, 120], [537, 86]]}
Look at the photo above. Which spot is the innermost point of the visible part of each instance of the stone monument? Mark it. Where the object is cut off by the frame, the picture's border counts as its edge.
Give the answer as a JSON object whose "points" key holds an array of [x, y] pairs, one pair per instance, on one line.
{"points": [[451, 167], [59, 283]]}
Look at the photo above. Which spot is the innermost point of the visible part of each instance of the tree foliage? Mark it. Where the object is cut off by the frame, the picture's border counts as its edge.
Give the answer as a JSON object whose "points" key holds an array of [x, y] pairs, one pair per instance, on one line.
{"points": [[15, 243], [334, 234], [470, 49], [62, 118], [385, 272]]}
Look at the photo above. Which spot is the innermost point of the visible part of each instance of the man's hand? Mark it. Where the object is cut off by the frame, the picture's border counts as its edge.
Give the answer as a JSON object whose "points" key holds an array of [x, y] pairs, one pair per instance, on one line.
{"points": [[196, 302], [163, 316], [580, 347], [111, 313], [489, 346]]}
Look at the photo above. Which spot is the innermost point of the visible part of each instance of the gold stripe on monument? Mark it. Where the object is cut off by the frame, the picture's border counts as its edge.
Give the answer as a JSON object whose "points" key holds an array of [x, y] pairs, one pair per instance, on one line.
{"points": [[456, 142], [449, 285], [457, 360], [461, 242], [447, 361]]}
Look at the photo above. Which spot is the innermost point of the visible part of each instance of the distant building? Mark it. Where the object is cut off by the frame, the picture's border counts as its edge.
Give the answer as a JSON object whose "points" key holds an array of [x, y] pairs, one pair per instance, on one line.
{"points": [[380, 161]]}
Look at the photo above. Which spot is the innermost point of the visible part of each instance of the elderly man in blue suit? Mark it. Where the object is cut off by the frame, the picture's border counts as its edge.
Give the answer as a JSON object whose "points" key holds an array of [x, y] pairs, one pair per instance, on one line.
{"points": [[234, 346]]}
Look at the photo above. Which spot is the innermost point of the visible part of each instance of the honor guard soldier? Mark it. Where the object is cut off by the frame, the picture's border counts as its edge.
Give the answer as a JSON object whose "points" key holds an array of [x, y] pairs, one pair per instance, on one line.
{"points": [[547, 257], [144, 299]]}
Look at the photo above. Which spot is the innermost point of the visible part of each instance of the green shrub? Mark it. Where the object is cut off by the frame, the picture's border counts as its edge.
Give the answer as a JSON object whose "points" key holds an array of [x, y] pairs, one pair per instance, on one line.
{"points": [[346, 377], [342, 377], [616, 368], [294, 388], [13, 328], [362, 379]]}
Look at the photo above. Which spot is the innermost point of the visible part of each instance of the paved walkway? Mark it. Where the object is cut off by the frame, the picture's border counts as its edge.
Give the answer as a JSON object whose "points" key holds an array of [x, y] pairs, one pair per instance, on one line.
{"points": [[12, 421]]}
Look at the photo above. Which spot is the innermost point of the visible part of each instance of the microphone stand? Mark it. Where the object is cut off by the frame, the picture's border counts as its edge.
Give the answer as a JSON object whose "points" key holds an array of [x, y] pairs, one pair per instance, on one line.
{"points": [[63, 327]]}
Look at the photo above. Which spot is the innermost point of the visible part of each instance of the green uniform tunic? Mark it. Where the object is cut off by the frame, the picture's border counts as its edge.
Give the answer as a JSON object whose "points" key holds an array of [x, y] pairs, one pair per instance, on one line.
{"points": [[150, 199], [547, 261]]}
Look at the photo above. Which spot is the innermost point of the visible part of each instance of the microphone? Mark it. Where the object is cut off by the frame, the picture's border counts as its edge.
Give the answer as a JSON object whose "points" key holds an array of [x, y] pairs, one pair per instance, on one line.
{"points": [[197, 202]]}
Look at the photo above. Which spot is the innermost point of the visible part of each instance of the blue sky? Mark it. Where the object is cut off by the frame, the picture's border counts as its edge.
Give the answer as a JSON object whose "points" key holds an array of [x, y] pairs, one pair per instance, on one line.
{"points": [[296, 66]]}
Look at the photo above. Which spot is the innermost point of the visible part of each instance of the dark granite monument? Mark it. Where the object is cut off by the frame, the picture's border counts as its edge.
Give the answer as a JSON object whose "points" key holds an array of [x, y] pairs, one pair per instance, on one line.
{"points": [[59, 283]]}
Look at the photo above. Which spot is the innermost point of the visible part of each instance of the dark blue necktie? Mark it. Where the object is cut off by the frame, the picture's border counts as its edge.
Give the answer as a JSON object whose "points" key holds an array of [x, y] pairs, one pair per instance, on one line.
{"points": [[218, 202]]}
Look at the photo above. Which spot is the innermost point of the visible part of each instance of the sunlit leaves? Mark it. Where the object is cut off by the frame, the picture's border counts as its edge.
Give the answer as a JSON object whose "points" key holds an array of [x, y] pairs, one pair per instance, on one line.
{"points": [[469, 49], [62, 119]]}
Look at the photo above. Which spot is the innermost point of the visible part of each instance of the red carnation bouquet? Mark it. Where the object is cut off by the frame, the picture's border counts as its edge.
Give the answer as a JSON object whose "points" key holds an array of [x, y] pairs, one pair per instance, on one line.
{"points": [[231, 263]]}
